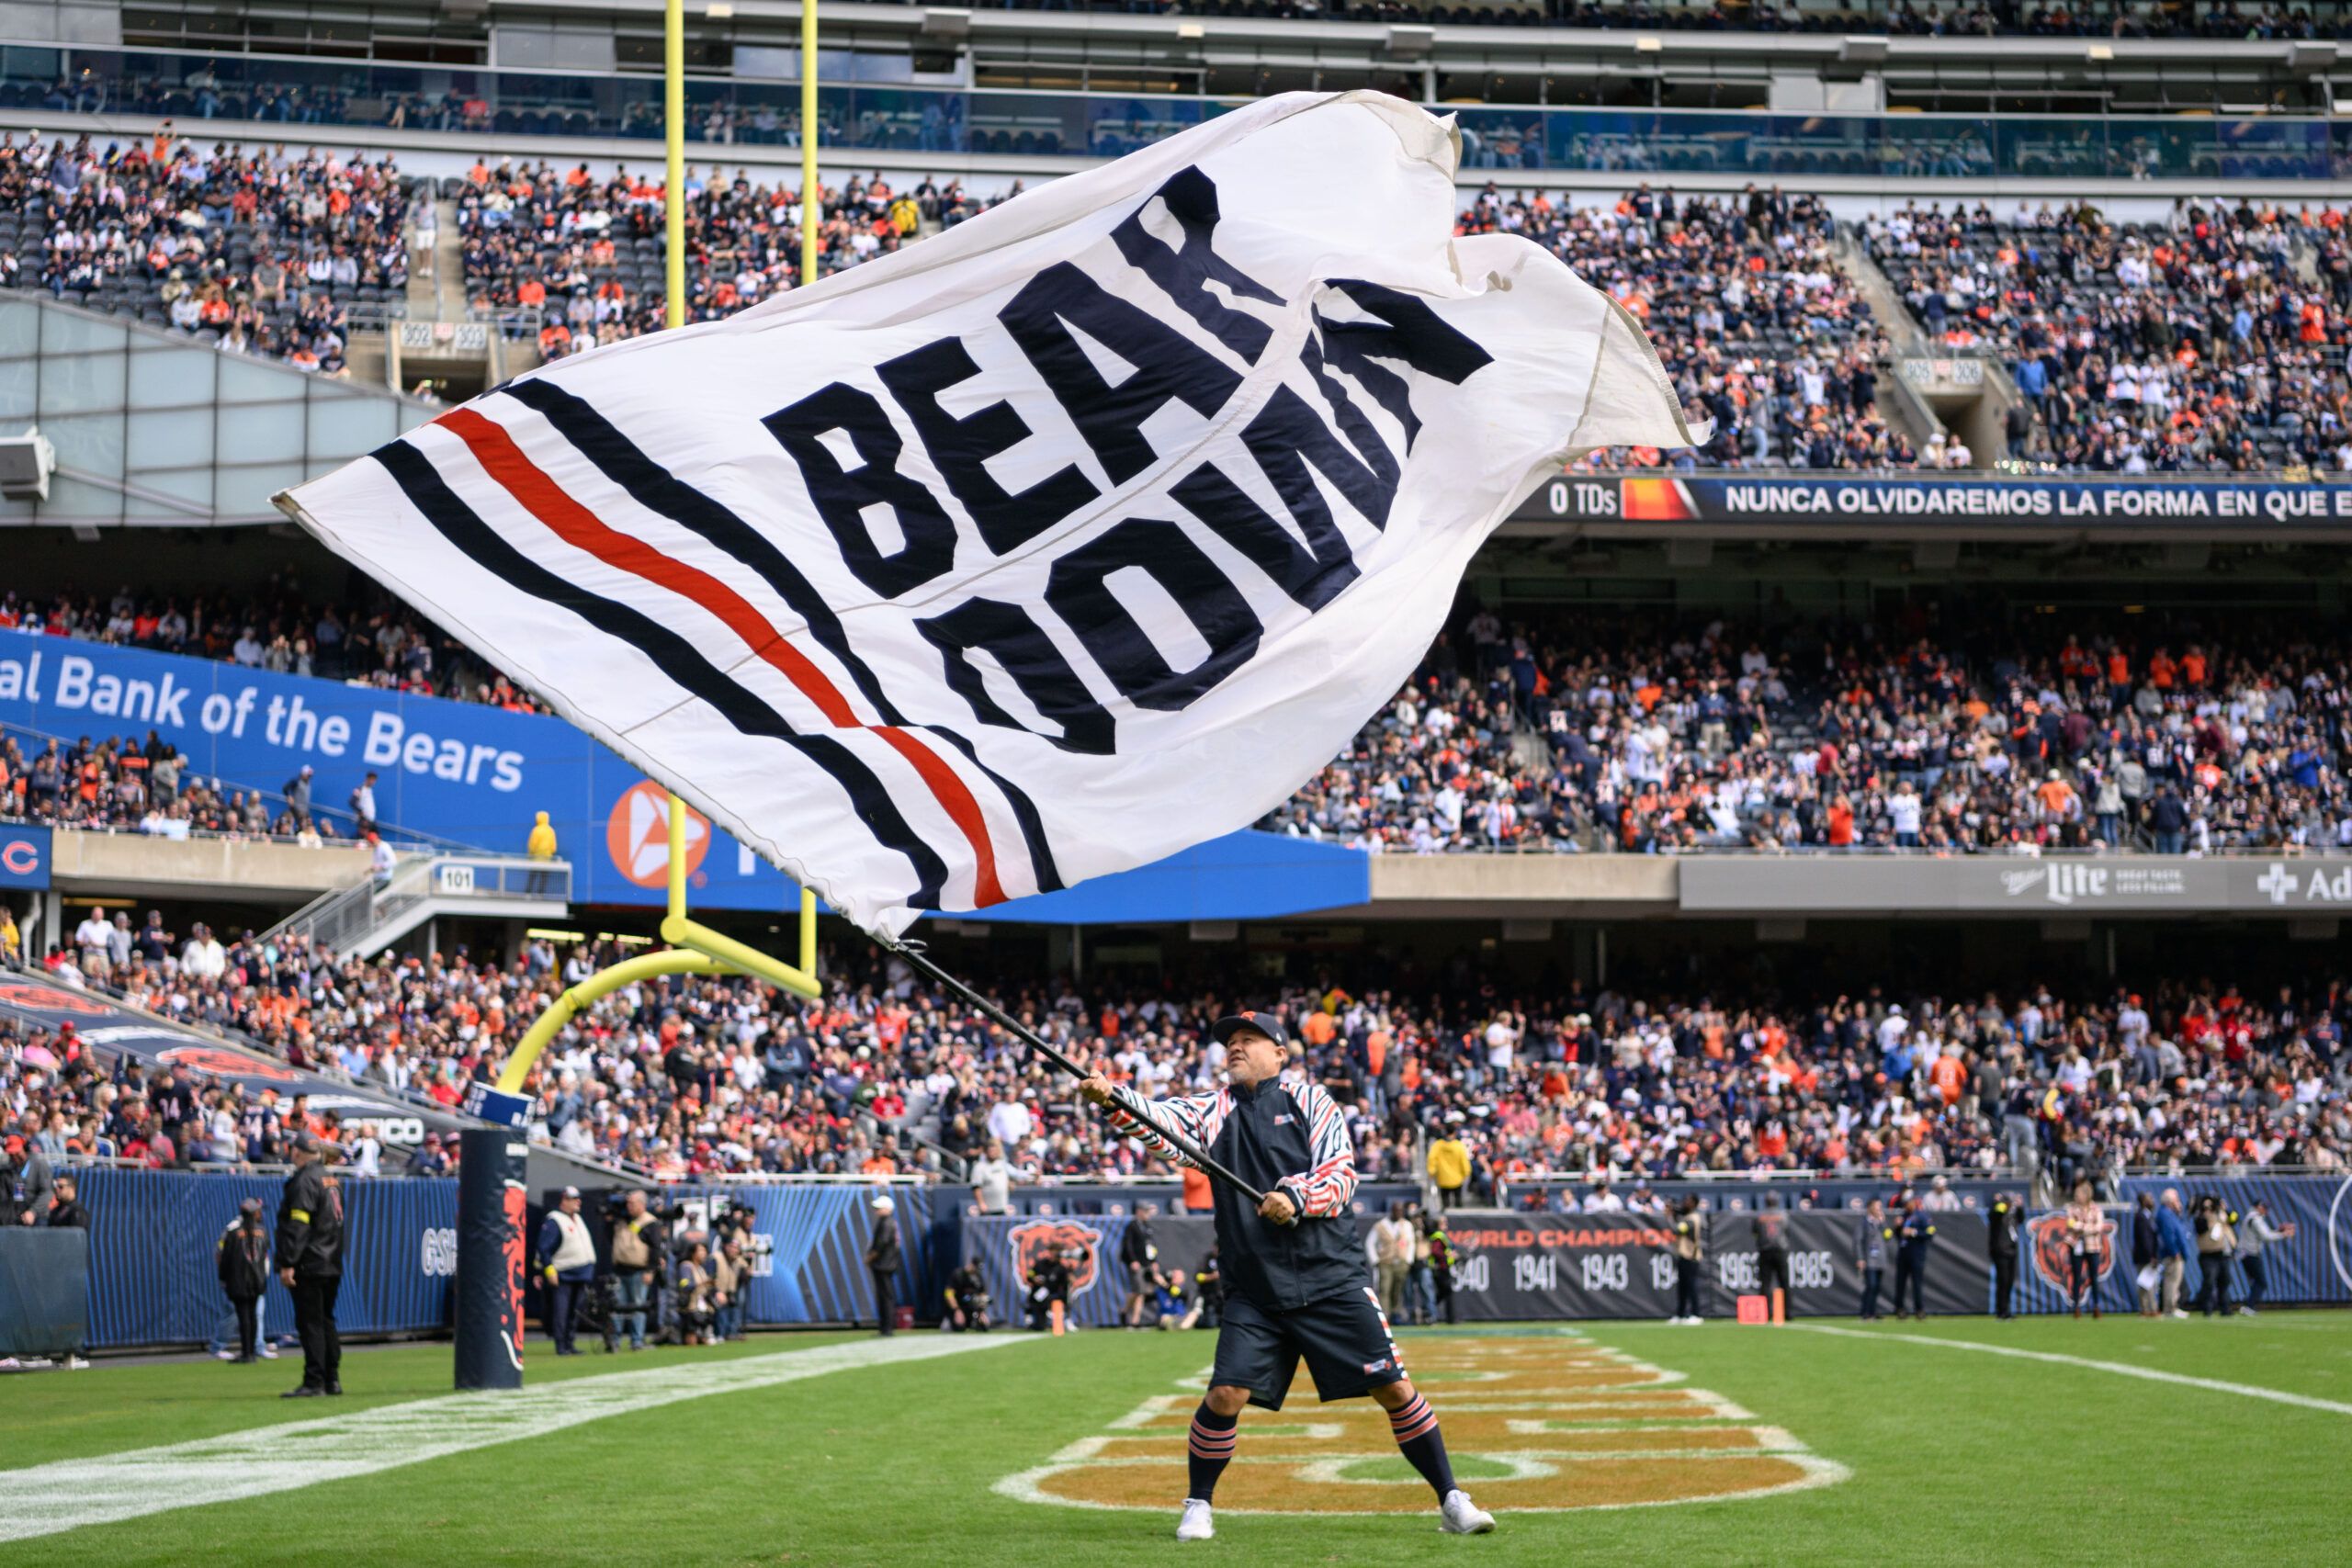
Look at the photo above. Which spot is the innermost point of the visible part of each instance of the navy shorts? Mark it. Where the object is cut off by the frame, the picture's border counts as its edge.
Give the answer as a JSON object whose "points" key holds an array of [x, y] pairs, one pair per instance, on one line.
{"points": [[1344, 1340]]}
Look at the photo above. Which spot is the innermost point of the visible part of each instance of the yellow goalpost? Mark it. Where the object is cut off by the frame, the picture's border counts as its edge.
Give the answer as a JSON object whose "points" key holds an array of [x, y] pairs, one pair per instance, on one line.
{"points": [[696, 949]]}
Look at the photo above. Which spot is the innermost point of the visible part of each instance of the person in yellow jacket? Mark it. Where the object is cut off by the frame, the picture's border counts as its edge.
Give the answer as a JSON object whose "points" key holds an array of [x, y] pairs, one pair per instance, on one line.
{"points": [[1449, 1169], [540, 846]]}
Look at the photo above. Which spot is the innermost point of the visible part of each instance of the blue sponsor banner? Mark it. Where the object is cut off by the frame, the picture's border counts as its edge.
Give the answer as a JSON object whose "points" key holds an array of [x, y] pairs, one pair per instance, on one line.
{"points": [[475, 775], [1666, 497], [461, 772], [1242, 877], [24, 857]]}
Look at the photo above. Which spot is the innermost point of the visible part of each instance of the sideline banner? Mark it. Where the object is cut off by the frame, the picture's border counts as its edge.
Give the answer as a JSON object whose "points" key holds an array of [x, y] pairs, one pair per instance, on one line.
{"points": [[44, 1291], [1671, 498], [1619, 1266]]}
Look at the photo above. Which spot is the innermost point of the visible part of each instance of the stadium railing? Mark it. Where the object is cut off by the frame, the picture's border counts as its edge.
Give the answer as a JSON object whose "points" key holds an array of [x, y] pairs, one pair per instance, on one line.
{"points": [[505, 106]]}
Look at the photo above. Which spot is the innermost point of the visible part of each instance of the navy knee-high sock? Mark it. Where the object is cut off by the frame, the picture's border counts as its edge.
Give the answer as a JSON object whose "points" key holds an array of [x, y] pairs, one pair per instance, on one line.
{"points": [[1210, 1448], [1419, 1440]]}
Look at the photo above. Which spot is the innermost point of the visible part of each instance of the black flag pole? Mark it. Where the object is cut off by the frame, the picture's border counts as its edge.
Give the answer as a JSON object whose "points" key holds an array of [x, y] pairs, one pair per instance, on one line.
{"points": [[912, 953]]}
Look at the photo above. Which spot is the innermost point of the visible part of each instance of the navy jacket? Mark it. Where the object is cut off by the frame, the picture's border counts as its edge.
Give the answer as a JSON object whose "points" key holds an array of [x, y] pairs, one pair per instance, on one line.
{"points": [[1273, 1134]]}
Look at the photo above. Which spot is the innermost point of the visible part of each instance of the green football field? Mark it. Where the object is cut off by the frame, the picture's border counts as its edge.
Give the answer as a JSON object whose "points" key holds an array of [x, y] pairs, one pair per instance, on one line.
{"points": [[2124, 1441]]}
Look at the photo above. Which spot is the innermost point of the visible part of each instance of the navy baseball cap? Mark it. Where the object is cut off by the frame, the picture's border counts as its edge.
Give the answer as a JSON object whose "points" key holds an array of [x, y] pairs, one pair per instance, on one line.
{"points": [[1265, 1023]]}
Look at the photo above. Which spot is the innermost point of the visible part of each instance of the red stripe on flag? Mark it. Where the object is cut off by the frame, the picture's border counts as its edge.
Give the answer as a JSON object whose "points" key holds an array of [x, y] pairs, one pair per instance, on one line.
{"points": [[540, 495]]}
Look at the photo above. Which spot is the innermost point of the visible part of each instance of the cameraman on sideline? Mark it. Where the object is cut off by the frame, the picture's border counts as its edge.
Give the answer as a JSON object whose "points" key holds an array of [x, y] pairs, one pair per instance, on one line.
{"points": [[638, 1241]]}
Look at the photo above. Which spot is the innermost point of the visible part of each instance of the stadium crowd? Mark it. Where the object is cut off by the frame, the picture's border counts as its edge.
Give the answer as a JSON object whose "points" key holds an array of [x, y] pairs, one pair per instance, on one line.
{"points": [[258, 251], [588, 252], [70, 1102], [689, 1078], [1683, 737], [373, 641], [1758, 327], [2193, 345]]}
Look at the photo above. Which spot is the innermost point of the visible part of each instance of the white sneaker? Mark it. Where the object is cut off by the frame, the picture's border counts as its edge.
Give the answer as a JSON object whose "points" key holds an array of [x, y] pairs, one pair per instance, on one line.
{"points": [[2177, 1313], [1196, 1524], [269, 1353], [1459, 1516], [2245, 1311], [77, 1363], [224, 1355]]}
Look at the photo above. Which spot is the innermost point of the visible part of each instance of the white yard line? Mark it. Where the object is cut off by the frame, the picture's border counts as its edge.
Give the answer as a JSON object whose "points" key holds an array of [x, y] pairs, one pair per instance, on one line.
{"points": [[65, 1495], [2121, 1369]]}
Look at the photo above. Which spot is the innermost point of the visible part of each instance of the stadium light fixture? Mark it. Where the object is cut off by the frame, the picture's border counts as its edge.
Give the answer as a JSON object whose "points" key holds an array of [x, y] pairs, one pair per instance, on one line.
{"points": [[1859, 49], [26, 462], [1191, 32], [1648, 45], [938, 23], [1411, 43], [2100, 53], [2309, 57], [718, 10]]}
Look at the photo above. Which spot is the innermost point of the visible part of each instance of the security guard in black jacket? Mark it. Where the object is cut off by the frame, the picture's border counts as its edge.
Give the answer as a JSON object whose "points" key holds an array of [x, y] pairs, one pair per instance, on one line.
{"points": [[2001, 1240], [310, 1262], [1911, 1235], [1297, 1285]]}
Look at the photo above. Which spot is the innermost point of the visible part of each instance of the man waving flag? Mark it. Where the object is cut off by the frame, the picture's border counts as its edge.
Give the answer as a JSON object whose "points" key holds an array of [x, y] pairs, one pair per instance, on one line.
{"points": [[946, 581], [1296, 1286]]}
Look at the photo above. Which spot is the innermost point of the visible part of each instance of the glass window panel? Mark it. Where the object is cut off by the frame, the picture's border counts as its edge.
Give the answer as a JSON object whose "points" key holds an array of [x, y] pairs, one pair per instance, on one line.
{"points": [[346, 427], [19, 387], [250, 381], [245, 493], [193, 486], [71, 500], [19, 327], [171, 377], [61, 332], [76, 383], [261, 432], [90, 442], [171, 438]]}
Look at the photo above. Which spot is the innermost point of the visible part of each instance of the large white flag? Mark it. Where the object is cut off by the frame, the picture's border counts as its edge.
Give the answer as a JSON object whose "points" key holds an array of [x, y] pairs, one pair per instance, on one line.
{"points": [[1046, 547]]}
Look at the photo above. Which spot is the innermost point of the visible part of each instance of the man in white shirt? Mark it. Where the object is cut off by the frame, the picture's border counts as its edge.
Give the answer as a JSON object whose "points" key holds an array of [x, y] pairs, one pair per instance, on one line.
{"points": [[1010, 1122], [992, 1179], [202, 958], [91, 937]]}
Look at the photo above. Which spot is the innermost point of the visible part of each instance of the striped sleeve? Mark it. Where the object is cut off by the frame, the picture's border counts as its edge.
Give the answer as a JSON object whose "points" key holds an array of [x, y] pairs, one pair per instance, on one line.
{"points": [[1331, 1185], [1199, 1117]]}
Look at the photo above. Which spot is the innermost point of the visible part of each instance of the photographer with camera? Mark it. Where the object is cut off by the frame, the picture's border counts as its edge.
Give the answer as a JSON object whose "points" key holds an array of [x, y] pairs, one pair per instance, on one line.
{"points": [[695, 1295], [1048, 1287], [967, 1300], [639, 1242], [2217, 1242], [1139, 1259], [730, 1274]]}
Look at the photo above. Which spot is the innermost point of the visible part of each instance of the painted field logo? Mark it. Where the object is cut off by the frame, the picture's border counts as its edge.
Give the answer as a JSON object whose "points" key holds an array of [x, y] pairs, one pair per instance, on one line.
{"points": [[1535, 1423], [2053, 1254], [1032, 1243]]}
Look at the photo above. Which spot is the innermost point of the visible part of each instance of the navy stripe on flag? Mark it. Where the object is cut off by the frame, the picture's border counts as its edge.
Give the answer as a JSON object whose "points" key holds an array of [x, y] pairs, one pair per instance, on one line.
{"points": [[676, 658]]}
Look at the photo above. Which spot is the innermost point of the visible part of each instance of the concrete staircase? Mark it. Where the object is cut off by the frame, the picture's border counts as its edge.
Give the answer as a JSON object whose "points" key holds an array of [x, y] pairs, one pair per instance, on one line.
{"points": [[1903, 408]]}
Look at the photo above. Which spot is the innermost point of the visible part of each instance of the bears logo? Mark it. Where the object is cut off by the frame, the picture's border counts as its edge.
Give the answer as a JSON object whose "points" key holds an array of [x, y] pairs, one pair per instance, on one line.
{"points": [[2053, 1254], [1033, 1241]]}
